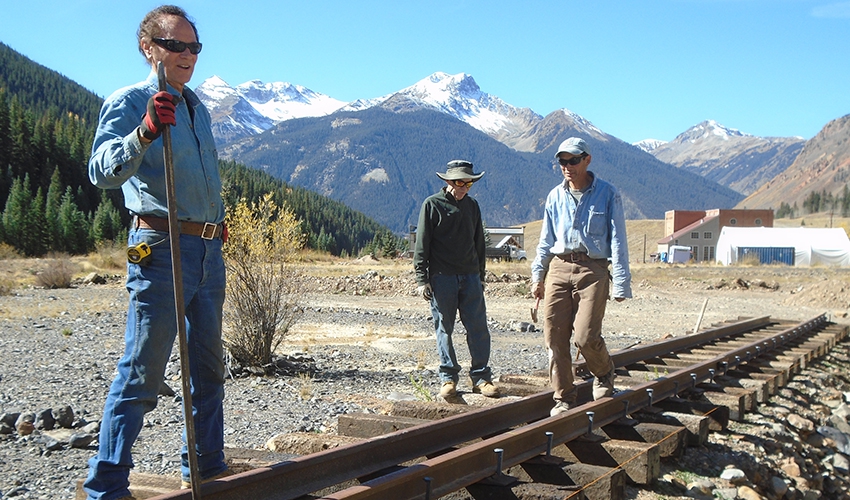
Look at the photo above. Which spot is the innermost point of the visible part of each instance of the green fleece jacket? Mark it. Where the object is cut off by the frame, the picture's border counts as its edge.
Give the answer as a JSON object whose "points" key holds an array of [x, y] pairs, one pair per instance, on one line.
{"points": [[449, 238]]}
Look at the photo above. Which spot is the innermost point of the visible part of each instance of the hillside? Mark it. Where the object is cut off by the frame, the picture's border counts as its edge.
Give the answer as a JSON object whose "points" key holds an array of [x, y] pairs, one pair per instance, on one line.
{"points": [[729, 157], [383, 164], [822, 166]]}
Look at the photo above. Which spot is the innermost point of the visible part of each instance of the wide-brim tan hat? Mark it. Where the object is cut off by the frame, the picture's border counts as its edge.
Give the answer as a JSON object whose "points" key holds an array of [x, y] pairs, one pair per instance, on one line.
{"points": [[459, 169]]}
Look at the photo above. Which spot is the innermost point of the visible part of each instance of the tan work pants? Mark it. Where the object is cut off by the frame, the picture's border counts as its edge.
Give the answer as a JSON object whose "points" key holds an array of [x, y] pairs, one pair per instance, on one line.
{"points": [[574, 303]]}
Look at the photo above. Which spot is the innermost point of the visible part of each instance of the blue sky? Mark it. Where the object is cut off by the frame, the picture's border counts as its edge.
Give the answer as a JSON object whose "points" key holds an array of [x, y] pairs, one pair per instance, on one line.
{"points": [[637, 69]]}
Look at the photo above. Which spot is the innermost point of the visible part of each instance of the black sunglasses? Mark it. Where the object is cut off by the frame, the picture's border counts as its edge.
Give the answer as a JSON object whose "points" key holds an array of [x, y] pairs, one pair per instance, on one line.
{"points": [[572, 161], [461, 184], [178, 46]]}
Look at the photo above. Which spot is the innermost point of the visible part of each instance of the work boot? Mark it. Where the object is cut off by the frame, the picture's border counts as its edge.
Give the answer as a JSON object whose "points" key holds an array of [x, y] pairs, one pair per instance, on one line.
{"points": [[486, 389], [187, 485], [449, 389], [603, 386], [560, 407]]}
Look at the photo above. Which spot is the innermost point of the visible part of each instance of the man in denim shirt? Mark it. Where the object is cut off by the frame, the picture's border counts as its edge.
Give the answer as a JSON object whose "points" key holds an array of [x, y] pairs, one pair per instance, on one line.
{"points": [[583, 228], [127, 152]]}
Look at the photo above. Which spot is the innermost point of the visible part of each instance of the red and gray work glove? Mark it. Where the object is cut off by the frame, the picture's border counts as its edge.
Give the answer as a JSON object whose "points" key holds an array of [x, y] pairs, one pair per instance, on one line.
{"points": [[161, 108]]}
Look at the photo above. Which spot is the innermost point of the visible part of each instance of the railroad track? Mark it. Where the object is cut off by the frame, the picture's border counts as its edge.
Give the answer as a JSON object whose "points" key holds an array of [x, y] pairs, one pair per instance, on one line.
{"points": [[671, 394]]}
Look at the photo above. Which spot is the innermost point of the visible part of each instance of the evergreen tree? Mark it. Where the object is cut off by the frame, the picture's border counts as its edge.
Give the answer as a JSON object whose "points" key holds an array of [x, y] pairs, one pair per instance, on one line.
{"points": [[73, 225], [35, 240], [51, 210], [104, 223], [5, 139], [17, 205]]}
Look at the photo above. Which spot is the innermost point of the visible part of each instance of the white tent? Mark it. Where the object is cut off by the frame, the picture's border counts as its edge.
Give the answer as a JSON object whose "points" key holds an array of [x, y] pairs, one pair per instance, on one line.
{"points": [[812, 246]]}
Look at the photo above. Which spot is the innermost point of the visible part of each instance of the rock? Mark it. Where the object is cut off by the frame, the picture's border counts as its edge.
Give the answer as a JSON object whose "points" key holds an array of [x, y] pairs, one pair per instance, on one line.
{"points": [[734, 476], [64, 417], [841, 463], [400, 396], [91, 428], [702, 487], [726, 493], [50, 444], [94, 279], [25, 424], [10, 418], [44, 420], [80, 440], [789, 467], [803, 425], [840, 440], [676, 482], [747, 493], [778, 486]]}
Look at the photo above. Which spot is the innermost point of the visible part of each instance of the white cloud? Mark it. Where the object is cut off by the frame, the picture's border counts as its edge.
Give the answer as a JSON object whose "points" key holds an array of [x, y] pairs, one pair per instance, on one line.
{"points": [[839, 10]]}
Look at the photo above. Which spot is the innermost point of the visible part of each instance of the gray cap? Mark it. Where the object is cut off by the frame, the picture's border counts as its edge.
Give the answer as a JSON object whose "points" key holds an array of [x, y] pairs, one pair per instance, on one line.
{"points": [[574, 146], [459, 169]]}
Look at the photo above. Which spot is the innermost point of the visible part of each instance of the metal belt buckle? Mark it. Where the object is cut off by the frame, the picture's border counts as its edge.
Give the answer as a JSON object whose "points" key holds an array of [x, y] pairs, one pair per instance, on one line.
{"points": [[574, 257], [209, 230]]}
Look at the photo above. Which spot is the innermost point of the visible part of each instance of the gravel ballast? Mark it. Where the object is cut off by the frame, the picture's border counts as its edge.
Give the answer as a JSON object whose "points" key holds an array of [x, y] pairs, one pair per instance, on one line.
{"points": [[364, 339]]}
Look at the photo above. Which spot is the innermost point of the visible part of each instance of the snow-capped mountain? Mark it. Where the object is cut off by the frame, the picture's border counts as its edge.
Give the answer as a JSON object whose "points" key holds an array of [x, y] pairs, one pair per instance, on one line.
{"points": [[725, 155], [254, 106], [649, 145], [461, 97], [728, 156]]}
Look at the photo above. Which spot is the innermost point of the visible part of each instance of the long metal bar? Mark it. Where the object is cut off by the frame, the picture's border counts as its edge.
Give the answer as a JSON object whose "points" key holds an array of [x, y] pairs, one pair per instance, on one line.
{"points": [[179, 306], [633, 355], [310, 473], [460, 468]]}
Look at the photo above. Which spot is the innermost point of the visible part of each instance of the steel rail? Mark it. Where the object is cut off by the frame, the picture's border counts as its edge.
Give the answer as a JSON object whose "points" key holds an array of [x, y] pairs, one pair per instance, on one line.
{"points": [[460, 468], [310, 473]]}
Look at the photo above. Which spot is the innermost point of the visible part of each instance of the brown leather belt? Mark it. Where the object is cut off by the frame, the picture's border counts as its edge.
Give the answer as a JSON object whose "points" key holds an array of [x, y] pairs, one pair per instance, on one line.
{"points": [[576, 257], [205, 230]]}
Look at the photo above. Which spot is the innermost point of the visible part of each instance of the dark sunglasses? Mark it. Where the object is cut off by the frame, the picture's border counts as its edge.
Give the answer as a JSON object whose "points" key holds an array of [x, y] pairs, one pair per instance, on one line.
{"points": [[178, 46], [461, 184], [572, 161]]}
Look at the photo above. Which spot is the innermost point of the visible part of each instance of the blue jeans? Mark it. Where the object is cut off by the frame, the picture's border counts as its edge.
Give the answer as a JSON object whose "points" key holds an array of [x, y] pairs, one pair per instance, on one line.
{"points": [[149, 336], [464, 293]]}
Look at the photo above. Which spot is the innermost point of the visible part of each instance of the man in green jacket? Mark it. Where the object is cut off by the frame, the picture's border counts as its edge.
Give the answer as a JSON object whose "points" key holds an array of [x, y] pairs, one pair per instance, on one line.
{"points": [[449, 262]]}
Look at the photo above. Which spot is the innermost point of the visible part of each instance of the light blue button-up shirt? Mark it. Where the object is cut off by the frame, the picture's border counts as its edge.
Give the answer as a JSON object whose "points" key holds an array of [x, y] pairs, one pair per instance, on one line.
{"points": [[596, 224], [120, 159]]}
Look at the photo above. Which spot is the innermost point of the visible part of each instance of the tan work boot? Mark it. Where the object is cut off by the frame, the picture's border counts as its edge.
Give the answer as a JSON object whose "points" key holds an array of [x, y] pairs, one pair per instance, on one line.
{"points": [[186, 485], [487, 389], [603, 386], [560, 407], [449, 389]]}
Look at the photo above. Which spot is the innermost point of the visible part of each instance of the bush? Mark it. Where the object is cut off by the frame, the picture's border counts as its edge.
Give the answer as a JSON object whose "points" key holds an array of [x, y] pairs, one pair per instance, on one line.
{"points": [[57, 273], [7, 251], [110, 255], [261, 302]]}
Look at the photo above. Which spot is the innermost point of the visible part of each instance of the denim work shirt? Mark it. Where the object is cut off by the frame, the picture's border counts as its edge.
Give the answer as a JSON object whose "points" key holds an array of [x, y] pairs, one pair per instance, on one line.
{"points": [[596, 223], [120, 159]]}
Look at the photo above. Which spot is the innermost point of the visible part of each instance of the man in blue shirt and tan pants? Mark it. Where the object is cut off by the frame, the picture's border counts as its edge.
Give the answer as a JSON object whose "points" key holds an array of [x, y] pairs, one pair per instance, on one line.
{"points": [[583, 228]]}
